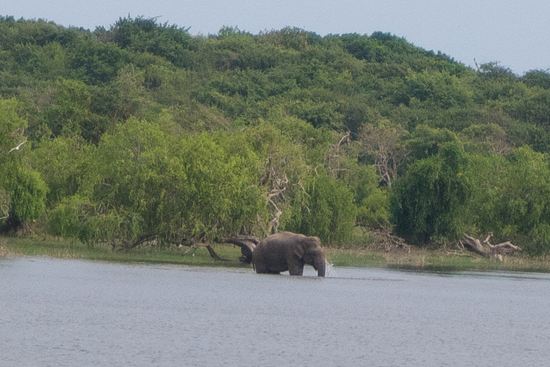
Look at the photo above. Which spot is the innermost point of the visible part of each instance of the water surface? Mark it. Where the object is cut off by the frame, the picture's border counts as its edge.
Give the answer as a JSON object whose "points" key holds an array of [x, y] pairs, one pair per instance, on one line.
{"points": [[82, 313]]}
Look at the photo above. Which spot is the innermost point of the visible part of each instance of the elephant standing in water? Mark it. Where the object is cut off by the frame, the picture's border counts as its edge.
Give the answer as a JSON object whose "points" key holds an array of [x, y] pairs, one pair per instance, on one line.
{"points": [[288, 251]]}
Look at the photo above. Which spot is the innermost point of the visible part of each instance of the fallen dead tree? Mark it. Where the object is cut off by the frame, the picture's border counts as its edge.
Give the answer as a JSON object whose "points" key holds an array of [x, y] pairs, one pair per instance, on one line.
{"points": [[247, 245], [486, 249]]}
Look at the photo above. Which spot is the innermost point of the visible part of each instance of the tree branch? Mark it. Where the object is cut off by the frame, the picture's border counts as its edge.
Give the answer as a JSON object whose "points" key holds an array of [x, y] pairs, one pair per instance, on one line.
{"points": [[486, 249]]}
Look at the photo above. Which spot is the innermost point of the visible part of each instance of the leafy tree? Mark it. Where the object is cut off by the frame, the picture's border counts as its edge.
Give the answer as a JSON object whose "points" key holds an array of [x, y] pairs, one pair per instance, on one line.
{"points": [[494, 81], [145, 35], [486, 139], [440, 89], [11, 127], [97, 62], [22, 190], [509, 197], [372, 202], [130, 95], [40, 62], [150, 185], [11, 134], [364, 48], [27, 196], [527, 186], [537, 78], [426, 141], [66, 166], [283, 167], [71, 112], [291, 37], [429, 202], [134, 170], [326, 210], [223, 196]]}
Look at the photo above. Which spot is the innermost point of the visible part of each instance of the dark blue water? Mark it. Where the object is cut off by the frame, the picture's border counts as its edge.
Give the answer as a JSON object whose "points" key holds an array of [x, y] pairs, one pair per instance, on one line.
{"points": [[81, 313]]}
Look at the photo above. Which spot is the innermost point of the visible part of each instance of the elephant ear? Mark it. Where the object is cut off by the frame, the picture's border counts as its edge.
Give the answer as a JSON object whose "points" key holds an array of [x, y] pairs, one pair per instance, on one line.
{"points": [[299, 249]]}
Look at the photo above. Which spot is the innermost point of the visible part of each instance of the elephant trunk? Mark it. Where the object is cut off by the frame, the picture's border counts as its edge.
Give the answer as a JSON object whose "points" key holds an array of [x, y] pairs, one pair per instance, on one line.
{"points": [[320, 266]]}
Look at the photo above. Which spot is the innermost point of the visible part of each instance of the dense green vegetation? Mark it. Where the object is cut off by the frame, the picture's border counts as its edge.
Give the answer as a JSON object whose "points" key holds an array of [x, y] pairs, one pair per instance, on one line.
{"points": [[143, 133]]}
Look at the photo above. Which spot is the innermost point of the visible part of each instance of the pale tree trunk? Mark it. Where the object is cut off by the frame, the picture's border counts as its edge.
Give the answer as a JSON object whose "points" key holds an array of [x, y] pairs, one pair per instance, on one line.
{"points": [[486, 249]]}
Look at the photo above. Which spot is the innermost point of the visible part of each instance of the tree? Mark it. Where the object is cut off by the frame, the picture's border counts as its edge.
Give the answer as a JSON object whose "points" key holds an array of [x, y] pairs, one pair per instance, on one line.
{"points": [[11, 134], [429, 201], [487, 139], [152, 185], [509, 197], [27, 196], [70, 113], [66, 165], [372, 201], [384, 143], [145, 35], [440, 89], [11, 127], [283, 168], [22, 190], [130, 95], [97, 62], [326, 209], [426, 141], [537, 78]]}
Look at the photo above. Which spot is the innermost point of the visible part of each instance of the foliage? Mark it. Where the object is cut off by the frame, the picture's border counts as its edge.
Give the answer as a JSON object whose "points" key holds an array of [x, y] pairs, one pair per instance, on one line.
{"points": [[146, 35], [326, 210], [22, 190], [372, 201], [511, 201], [152, 186], [384, 143], [27, 193], [65, 164], [429, 201], [141, 131]]}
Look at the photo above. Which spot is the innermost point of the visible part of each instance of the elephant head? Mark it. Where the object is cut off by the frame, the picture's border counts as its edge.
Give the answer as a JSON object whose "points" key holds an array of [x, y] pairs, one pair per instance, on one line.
{"points": [[316, 258], [289, 251]]}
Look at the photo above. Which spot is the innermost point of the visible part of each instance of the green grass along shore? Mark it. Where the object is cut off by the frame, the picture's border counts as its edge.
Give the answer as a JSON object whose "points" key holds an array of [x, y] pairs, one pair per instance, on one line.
{"points": [[341, 257]]}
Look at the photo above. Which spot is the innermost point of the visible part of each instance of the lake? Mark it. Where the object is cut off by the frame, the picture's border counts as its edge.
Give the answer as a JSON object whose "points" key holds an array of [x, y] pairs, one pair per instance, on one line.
{"points": [[82, 313]]}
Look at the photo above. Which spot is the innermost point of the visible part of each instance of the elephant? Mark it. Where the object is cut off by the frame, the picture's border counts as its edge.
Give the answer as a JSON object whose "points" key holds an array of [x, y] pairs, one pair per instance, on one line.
{"points": [[288, 251]]}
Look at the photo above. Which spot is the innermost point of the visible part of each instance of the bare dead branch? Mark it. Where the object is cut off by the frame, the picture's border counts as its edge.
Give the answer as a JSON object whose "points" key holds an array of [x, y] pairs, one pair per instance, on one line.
{"points": [[212, 252], [487, 249], [383, 239]]}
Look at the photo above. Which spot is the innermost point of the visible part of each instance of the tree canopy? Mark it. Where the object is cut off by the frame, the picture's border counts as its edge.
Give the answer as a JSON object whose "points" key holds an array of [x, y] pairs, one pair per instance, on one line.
{"points": [[142, 132]]}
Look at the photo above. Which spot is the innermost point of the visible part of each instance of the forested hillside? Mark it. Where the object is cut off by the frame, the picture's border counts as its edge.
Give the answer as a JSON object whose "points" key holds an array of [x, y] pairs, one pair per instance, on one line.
{"points": [[145, 132]]}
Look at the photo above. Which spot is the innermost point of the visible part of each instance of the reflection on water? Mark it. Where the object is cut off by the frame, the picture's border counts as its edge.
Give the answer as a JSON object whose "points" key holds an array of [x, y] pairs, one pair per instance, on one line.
{"points": [[81, 313]]}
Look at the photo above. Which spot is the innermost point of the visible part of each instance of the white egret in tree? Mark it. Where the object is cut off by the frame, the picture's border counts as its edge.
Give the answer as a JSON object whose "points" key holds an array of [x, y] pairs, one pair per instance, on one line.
{"points": [[17, 147]]}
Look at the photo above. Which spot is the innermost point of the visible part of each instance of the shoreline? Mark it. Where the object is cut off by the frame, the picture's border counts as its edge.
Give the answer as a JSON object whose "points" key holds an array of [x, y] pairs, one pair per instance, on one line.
{"points": [[413, 259]]}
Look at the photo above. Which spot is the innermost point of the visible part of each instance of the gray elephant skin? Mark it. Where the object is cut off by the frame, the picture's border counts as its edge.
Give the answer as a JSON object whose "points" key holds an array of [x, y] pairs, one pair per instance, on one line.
{"points": [[288, 251]]}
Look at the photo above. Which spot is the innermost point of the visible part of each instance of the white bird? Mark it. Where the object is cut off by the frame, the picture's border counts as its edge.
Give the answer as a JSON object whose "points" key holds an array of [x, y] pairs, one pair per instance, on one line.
{"points": [[17, 147]]}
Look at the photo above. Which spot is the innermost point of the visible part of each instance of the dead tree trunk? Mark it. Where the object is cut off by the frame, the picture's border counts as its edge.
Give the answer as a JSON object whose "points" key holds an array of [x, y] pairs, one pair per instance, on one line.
{"points": [[247, 245], [486, 249], [213, 253]]}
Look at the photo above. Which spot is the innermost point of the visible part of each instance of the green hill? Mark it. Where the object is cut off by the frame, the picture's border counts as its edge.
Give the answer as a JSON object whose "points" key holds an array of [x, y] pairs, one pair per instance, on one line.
{"points": [[143, 132]]}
